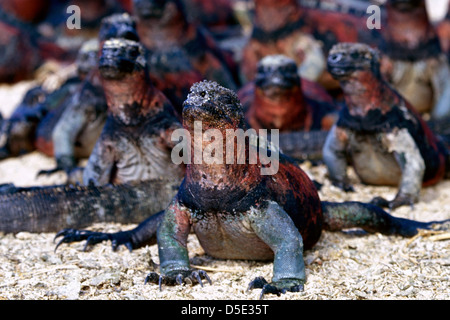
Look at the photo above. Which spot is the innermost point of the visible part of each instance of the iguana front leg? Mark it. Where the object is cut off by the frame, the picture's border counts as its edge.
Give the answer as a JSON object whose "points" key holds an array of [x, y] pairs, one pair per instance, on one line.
{"points": [[101, 163], [334, 156], [64, 137], [276, 228], [408, 156], [172, 237]]}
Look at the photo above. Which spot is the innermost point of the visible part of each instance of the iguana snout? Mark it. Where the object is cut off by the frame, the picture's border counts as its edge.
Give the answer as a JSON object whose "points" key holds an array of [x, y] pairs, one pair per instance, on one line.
{"points": [[121, 57], [346, 58], [214, 105]]}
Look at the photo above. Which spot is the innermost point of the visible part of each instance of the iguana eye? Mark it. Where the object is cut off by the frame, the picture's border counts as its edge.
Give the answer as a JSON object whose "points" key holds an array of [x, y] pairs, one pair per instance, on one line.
{"points": [[203, 94]]}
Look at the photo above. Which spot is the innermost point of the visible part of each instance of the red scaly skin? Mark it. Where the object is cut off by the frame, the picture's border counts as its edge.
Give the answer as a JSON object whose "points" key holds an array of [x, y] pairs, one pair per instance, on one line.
{"points": [[386, 139], [409, 28], [278, 28], [170, 28], [277, 99], [215, 15], [237, 212], [135, 143], [413, 61]]}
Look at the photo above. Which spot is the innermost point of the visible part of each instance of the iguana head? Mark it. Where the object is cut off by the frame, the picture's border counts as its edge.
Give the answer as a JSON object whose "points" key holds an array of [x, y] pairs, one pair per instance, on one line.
{"points": [[120, 25], [120, 58], [347, 60], [215, 106], [87, 57], [276, 74]]}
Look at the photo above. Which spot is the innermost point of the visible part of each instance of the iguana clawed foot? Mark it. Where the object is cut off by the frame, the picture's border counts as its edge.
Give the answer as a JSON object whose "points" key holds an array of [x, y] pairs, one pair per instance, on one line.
{"points": [[398, 201], [345, 186], [178, 277], [63, 163], [92, 237], [276, 287]]}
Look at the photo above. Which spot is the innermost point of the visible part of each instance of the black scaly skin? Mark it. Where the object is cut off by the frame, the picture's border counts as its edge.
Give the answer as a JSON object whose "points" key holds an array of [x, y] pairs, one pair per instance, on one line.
{"points": [[237, 213], [303, 145], [50, 209]]}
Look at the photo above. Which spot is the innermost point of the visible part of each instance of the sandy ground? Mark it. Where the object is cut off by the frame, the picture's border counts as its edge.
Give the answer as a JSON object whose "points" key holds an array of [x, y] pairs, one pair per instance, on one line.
{"points": [[343, 265]]}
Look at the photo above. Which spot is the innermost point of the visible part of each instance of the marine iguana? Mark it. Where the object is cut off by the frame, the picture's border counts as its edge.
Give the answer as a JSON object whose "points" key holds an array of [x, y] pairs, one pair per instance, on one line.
{"points": [[237, 210], [386, 140], [413, 61], [130, 174], [277, 29], [135, 143], [301, 110], [163, 24], [74, 135], [30, 126]]}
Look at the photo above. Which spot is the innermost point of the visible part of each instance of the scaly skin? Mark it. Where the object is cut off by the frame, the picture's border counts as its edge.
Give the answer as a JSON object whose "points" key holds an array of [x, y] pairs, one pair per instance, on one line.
{"points": [[278, 29], [77, 129], [217, 16], [30, 126], [387, 141], [123, 174], [50, 209], [413, 61], [163, 24], [172, 72], [237, 212], [337, 21], [276, 99], [135, 143]]}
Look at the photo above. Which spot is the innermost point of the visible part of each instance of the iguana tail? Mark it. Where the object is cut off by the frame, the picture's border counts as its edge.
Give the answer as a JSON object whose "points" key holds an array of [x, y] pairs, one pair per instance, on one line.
{"points": [[305, 145], [371, 218], [50, 209]]}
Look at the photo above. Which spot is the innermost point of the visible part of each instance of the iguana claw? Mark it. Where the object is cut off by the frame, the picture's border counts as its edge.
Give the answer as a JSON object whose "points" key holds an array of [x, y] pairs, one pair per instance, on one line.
{"points": [[276, 287], [92, 238], [178, 277]]}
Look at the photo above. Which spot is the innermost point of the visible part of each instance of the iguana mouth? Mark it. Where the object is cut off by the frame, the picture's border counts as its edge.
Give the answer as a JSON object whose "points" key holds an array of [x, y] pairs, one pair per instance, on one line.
{"points": [[207, 113], [115, 68], [275, 83], [339, 67], [343, 63]]}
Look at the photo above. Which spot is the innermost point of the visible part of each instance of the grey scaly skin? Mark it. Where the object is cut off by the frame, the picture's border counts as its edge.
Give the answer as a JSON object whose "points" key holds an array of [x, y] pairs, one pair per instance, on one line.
{"points": [[237, 212]]}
